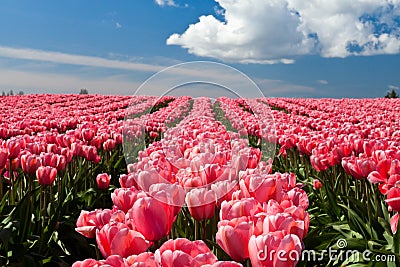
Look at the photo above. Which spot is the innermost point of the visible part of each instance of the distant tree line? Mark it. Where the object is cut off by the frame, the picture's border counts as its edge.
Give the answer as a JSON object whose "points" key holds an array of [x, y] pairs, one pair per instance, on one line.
{"points": [[11, 93], [392, 94]]}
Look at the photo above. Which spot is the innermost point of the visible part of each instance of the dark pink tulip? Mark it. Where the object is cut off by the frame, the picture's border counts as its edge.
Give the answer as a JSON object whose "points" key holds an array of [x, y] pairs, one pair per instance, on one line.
{"points": [[201, 203], [88, 134], [49, 159], [3, 157], [30, 163], [152, 218], [61, 163], [103, 180], [233, 237], [109, 145], [118, 239], [46, 175], [14, 147]]}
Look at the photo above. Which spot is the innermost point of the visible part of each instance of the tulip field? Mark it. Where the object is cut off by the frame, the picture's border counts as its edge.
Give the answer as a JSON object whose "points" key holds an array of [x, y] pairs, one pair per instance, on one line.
{"points": [[92, 180]]}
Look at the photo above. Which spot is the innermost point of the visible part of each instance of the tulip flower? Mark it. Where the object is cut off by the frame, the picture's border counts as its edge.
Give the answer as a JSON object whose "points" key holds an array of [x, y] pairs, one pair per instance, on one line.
{"points": [[124, 198], [183, 252], [275, 249], [233, 237], [3, 157], [152, 218], [46, 175], [117, 239], [238, 208], [201, 203], [103, 180], [14, 147], [30, 163], [143, 259]]}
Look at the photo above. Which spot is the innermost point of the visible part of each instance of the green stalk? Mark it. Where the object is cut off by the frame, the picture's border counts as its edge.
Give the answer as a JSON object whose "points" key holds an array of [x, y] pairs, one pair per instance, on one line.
{"points": [[11, 174]]}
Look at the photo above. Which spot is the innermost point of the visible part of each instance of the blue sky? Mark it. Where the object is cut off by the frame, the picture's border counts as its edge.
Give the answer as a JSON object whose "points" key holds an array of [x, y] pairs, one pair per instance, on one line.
{"points": [[288, 48]]}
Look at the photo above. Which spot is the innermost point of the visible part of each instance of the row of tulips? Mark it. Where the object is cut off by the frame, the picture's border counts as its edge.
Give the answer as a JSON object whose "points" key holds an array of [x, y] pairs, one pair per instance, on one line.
{"points": [[199, 164]]}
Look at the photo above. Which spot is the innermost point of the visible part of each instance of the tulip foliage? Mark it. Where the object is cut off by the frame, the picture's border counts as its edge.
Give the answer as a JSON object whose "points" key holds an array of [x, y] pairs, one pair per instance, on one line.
{"points": [[90, 180]]}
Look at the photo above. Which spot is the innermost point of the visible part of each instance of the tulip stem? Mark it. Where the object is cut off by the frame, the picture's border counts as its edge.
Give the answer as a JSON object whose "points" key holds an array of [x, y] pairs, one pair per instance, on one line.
{"points": [[10, 174], [195, 230], [203, 224]]}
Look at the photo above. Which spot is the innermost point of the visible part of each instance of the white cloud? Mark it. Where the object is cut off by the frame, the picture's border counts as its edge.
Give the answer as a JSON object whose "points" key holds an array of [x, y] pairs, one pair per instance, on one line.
{"points": [[273, 31], [166, 3], [393, 87], [73, 59], [322, 82], [118, 25]]}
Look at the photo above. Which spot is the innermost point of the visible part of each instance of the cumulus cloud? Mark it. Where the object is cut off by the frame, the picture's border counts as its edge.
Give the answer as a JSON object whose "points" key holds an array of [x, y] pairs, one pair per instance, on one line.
{"points": [[272, 31]]}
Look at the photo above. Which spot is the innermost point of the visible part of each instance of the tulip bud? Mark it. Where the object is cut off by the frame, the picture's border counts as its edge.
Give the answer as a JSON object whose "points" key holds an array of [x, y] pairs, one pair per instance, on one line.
{"points": [[103, 180]]}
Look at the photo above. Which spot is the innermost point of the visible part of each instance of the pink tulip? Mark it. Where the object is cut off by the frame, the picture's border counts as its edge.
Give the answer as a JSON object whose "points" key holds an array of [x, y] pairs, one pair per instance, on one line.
{"points": [[233, 237], [46, 175], [201, 203], [88, 134], [118, 239], [3, 157], [152, 218], [145, 259], [124, 198], [14, 147], [30, 163], [394, 222], [89, 221], [183, 252], [284, 222], [109, 145], [113, 261], [103, 180], [264, 250], [238, 208]]}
